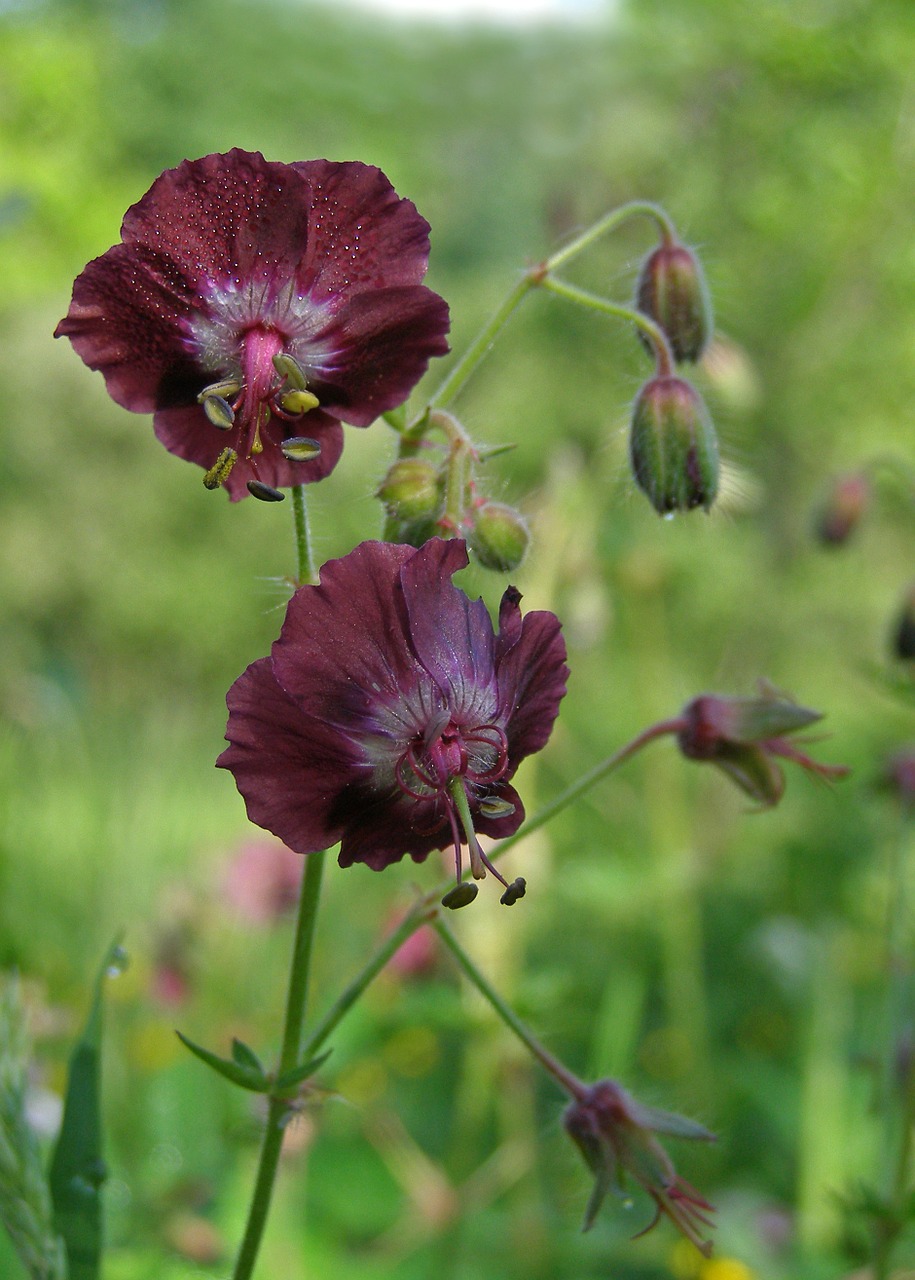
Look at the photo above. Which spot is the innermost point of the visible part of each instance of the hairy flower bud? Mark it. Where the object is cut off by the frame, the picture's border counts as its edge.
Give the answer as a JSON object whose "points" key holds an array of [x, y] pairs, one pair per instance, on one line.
{"points": [[412, 490], [844, 508], [500, 537], [671, 290], [673, 447]]}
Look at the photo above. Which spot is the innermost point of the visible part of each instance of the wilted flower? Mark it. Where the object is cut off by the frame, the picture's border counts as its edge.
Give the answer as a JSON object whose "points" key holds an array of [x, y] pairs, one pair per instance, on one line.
{"points": [[616, 1136], [391, 716], [252, 306], [745, 737]]}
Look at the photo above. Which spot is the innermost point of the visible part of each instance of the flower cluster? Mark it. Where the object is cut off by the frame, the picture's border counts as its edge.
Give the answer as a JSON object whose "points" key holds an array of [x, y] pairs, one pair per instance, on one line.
{"points": [[391, 716], [253, 306]]}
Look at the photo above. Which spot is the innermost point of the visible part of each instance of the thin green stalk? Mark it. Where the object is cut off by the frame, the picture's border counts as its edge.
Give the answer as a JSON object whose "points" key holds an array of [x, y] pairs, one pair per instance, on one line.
{"points": [[588, 780], [563, 1077], [279, 1108], [655, 334], [425, 910], [304, 562], [609, 223]]}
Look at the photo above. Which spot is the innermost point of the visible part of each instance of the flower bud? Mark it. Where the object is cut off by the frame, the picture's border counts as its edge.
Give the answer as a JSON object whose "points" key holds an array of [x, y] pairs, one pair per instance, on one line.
{"points": [[844, 509], [904, 632], [411, 490], [673, 447], [671, 290], [500, 537]]}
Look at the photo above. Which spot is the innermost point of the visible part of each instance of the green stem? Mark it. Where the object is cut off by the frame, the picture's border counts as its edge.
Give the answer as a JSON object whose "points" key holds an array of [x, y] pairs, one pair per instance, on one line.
{"points": [[563, 1077], [425, 910], [609, 223], [305, 565], [279, 1108], [588, 780], [483, 341], [653, 332]]}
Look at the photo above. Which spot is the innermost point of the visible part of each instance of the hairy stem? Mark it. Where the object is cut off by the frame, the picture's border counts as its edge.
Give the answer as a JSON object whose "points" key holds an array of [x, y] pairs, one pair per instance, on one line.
{"points": [[304, 563]]}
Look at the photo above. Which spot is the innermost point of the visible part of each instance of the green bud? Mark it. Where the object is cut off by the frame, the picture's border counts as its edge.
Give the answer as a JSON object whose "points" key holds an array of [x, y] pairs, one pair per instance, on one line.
{"points": [[300, 449], [412, 490], [671, 290], [673, 447], [500, 537]]}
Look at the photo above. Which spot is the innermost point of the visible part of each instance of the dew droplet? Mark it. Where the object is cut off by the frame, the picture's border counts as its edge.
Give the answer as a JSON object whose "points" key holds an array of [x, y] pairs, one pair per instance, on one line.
{"points": [[118, 961]]}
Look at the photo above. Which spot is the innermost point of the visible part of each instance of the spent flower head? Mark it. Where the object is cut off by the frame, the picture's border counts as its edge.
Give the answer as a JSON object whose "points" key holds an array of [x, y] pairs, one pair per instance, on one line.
{"points": [[253, 306], [616, 1134], [391, 716], [746, 738]]}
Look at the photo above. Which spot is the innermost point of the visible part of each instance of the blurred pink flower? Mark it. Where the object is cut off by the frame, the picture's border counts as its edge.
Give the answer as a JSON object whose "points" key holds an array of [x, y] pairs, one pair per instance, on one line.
{"points": [[261, 882]]}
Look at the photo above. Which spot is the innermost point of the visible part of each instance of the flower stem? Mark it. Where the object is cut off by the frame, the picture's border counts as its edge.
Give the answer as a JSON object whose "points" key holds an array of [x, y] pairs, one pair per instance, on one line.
{"points": [[563, 1077], [655, 334], [305, 565], [425, 910], [609, 223], [590, 779], [279, 1108]]}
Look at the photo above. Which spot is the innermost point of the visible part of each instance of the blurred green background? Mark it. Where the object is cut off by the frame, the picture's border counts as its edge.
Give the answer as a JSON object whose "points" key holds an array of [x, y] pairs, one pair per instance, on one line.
{"points": [[729, 965]]}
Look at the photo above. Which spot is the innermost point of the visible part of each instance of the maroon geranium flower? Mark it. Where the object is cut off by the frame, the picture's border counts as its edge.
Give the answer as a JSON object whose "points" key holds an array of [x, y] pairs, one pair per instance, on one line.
{"points": [[253, 306], [391, 716]]}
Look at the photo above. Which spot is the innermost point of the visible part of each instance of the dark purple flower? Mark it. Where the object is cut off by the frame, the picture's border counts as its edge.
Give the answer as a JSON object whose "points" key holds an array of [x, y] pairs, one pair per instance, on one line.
{"points": [[252, 306], [391, 716]]}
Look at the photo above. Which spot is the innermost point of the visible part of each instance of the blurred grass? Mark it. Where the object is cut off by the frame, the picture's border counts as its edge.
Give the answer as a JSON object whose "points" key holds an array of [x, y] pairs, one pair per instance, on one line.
{"points": [[729, 965]]}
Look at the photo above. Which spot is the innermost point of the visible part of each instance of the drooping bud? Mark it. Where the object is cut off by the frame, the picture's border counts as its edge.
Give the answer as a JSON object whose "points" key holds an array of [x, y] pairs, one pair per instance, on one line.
{"points": [[844, 508], [412, 490], [671, 290], [500, 537], [673, 447], [904, 631]]}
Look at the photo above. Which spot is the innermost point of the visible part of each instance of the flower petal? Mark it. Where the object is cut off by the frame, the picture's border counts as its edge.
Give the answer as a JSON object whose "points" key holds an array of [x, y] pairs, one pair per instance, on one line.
{"points": [[287, 769], [381, 344], [531, 673], [451, 635]]}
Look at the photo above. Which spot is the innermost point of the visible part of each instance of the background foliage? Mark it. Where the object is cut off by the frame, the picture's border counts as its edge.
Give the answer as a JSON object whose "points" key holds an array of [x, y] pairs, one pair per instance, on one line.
{"points": [[728, 965]]}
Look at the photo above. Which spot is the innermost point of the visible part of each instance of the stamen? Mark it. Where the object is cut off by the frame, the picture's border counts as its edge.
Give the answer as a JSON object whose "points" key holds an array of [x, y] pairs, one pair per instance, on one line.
{"points": [[219, 412], [289, 368], [517, 889], [496, 807], [477, 857], [298, 402], [219, 471], [300, 449], [260, 420], [225, 389], [258, 489], [460, 895]]}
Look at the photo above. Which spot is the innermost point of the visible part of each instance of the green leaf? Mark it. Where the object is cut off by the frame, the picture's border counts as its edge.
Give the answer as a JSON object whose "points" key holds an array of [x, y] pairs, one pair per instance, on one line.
{"points": [[246, 1057], [245, 1076], [297, 1074], [77, 1169]]}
